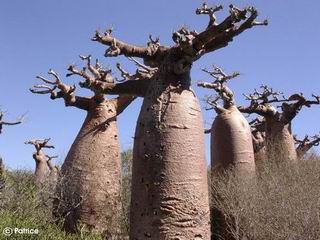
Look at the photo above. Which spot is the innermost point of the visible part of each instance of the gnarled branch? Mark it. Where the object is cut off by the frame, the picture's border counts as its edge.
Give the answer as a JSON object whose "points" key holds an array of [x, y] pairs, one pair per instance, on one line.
{"points": [[290, 110], [7, 123], [219, 85], [135, 84], [304, 145], [57, 89], [219, 35], [39, 144], [152, 51]]}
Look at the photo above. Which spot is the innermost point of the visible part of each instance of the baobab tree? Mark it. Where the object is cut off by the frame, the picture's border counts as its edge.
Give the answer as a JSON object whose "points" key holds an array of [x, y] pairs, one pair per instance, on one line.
{"points": [[89, 190], [41, 171], [279, 137], [304, 145], [54, 170], [169, 182], [6, 123], [258, 126], [231, 141]]}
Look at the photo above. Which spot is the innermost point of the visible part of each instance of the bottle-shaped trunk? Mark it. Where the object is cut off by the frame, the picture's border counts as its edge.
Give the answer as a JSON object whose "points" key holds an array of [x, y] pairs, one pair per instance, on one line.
{"points": [[42, 171], [232, 150], [169, 179], [231, 142], [279, 141], [90, 184]]}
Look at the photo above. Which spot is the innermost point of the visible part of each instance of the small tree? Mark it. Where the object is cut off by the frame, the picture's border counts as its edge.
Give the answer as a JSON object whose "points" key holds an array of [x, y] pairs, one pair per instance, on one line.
{"points": [[304, 145], [279, 137], [41, 171]]}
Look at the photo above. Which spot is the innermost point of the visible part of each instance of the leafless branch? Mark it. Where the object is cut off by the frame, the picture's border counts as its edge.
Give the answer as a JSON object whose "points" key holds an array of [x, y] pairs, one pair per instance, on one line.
{"points": [[117, 47], [219, 35], [39, 144], [219, 84], [7, 123], [304, 145], [210, 12]]}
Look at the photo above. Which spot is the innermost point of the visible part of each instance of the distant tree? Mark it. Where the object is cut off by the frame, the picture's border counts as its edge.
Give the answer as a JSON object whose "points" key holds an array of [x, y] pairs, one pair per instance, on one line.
{"points": [[231, 140], [41, 171], [304, 145], [279, 138]]}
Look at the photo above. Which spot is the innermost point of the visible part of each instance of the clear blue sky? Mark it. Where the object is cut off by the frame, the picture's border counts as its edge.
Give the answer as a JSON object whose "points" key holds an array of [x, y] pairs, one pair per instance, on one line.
{"points": [[37, 35]]}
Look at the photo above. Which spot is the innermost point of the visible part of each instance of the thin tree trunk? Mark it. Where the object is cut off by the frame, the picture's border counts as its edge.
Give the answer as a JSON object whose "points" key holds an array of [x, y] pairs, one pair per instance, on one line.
{"points": [[169, 180], [90, 187]]}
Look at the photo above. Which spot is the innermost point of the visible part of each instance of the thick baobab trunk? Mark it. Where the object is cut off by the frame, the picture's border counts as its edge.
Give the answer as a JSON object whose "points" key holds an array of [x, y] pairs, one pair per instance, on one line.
{"points": [[231, 142], [169, 180], [90, 187], [279, 141]]}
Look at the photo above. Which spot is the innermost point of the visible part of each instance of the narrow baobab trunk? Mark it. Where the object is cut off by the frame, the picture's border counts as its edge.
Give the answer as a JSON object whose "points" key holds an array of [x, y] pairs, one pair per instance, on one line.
{"points": [[279, 139], [169, 182], [2, 174], [258, 132], [89, 187], [42, 170], [54, 171]]}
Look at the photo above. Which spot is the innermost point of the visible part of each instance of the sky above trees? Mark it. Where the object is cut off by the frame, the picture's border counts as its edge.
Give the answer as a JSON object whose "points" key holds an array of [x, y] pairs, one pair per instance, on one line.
{"points": [[37, 35]]}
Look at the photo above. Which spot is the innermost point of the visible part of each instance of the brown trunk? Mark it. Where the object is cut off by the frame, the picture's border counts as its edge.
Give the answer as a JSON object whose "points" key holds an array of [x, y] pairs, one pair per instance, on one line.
{"points": [[91, 174], [231, 142], [231, 149], [169, 179], [2, 175], [279, 141], [42, 171]]}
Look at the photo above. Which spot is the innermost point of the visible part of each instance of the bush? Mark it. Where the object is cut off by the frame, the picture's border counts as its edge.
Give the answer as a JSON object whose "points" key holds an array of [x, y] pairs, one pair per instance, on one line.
{"points": [[282, 203]]}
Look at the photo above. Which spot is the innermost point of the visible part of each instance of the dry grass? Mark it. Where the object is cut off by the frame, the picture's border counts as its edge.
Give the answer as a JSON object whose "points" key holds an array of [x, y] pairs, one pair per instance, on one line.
{"points": [[282, 203]]}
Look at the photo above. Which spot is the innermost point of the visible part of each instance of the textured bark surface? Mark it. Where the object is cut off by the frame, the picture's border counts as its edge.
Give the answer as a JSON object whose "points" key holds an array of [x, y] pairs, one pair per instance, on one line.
{"points": [[279, 141], [91, 174], [42, 170], [169, 180], [231, 142]]}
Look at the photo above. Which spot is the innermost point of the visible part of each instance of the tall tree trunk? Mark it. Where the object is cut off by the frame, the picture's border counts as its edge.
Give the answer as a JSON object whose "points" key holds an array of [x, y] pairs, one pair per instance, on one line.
{"points": [[231, 142], [231, 149], [169, 179], [279, 141], [90, 187], [42, 170]]}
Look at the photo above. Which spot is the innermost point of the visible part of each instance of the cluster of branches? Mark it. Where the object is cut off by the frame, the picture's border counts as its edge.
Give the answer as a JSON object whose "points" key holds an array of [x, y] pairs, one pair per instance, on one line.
{"points": [[261, 103]]}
